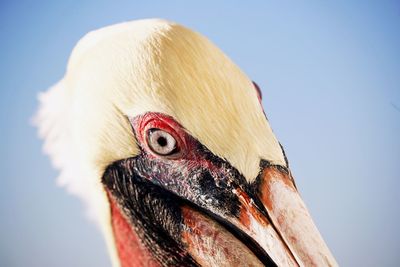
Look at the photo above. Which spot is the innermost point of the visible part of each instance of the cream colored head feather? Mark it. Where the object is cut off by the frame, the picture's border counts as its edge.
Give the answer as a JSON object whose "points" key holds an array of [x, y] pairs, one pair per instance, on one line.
{"points": [[136, 67]]}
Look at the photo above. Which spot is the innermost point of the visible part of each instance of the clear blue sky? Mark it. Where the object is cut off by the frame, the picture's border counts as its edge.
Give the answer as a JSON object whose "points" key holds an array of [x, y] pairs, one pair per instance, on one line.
{"points": [[330, 75]]}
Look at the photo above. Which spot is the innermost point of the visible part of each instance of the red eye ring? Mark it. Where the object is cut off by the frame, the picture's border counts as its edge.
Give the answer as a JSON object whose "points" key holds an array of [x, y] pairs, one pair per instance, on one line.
{"points": [[147, 124]]}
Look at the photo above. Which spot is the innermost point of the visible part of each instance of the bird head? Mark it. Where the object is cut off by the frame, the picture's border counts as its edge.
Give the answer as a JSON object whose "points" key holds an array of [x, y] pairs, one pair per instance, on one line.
{"points": [[165, 139]]}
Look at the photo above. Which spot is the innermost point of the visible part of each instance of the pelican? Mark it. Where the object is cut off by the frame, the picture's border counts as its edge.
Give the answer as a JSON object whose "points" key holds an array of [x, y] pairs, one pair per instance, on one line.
{"points": [[165, 139]]}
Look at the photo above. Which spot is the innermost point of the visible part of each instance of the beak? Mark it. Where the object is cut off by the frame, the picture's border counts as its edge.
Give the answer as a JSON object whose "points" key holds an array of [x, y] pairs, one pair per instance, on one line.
{"points": [[272, 228], [290, 218]]}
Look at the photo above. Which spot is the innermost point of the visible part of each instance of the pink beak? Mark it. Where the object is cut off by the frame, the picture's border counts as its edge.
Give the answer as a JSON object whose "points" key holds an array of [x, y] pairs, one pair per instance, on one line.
{"points": [[292, 221]]}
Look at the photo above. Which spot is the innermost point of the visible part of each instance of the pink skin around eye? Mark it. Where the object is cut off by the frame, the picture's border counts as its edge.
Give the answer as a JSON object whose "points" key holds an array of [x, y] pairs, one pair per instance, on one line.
{"points": [[187, 145], [148, 121]]}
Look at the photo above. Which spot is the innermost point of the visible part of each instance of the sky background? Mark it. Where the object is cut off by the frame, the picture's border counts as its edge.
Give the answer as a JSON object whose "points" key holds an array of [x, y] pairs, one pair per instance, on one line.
{"points": [[330, 76]]}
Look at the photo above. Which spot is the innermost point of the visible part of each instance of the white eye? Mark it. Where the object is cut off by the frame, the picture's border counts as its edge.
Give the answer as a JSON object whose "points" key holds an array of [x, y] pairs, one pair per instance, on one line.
{"points": [[161, 142]]}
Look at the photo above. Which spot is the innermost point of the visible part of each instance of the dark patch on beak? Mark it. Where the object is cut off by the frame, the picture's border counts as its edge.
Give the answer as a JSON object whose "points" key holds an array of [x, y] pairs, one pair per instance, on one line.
{"points": [[153, 213], [158, 214]]}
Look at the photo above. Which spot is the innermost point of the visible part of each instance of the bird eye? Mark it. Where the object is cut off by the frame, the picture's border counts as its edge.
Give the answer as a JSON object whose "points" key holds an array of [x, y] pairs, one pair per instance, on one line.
{"points": [[161, 142]]}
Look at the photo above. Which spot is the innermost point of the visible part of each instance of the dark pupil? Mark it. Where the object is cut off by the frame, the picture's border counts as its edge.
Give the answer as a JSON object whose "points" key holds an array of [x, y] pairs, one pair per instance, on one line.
{"points": [[162, 141]]}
